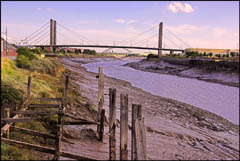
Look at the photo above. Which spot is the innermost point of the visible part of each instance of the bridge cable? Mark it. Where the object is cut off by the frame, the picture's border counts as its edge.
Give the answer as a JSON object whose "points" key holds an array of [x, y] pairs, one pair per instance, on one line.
{"points": [[141, 33], [179, 39], [37, 30], [46, 34], [146, 39], [39, 33], [77, 33], [172, 42]]}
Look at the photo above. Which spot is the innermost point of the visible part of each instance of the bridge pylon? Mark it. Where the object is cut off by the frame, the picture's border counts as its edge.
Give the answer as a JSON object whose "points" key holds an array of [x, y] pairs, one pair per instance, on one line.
{"points": [[160, 35], [53, 34]]}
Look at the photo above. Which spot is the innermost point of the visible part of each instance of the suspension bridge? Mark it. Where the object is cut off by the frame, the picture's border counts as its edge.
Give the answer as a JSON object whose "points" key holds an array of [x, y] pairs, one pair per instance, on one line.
{"points": [[46, 36]]}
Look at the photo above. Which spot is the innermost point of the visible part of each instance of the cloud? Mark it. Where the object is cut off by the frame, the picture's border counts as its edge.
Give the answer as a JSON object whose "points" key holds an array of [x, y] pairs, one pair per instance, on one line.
{"points": [[186, 28], [45, 9], [124, 21], [219, 31], [119, 20], [178, 6]]}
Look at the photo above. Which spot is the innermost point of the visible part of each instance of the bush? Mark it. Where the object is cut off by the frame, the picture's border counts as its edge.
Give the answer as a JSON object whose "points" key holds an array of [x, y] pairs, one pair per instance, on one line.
{"points": [[23, 62], [218, 55], [9, 94], [37, 51], [26, 52], [152, 56], [88, 51], [210, 54]]}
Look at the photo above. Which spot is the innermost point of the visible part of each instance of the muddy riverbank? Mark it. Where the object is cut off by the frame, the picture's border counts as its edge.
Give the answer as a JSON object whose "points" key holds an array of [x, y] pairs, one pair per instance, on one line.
{"points": [[222, 77], [175, 130]]}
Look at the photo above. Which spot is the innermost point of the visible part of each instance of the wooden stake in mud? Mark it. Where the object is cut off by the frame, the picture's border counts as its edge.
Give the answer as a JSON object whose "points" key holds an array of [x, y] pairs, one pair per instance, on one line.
{"points": [[29, 86], [138, 134], [6, 113], [100, 77], [123, 127], [66, 90], [100, 85], [59, 134], [112, 124], [101, 131]]}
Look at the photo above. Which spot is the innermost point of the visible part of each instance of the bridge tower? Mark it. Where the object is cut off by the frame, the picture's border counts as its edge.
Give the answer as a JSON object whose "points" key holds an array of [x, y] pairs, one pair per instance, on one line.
{"points": [[160, 39], [53, 34]]}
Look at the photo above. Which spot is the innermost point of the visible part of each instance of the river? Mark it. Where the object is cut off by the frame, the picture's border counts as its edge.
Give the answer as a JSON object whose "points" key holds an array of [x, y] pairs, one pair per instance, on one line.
{"points": [[220, 99]]}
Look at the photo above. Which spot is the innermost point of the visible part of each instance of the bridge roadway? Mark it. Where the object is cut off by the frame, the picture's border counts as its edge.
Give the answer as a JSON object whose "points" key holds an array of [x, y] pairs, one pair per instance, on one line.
{"points": [[106, 46]]}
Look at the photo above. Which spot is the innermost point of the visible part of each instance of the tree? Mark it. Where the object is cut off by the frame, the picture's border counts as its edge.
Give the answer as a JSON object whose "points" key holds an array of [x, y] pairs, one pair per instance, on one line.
{"points": [[218, 55], [211, 54], [232, 54]]}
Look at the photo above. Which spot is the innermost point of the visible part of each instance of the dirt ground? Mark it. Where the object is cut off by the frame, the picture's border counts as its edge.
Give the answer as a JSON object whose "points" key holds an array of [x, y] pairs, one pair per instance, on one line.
{"points": [[175, 130]]}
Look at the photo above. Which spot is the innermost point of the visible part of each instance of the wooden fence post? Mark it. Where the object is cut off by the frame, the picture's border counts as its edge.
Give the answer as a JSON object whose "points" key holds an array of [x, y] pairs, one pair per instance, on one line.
{"points": [[29, 86], [100, 95], [101, 131], [112, 124], [6, 113], [123, 127], [100, 85], [138, 134], [59, 134], [66, 90]]}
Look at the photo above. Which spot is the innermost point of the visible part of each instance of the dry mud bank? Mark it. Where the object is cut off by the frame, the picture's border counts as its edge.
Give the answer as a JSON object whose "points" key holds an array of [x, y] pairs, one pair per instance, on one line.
{"points": [[222, 77], [175, 130]]}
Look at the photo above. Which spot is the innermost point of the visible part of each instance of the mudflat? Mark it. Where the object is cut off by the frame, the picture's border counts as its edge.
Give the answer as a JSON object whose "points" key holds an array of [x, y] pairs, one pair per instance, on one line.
{"points": [[174, 130]]}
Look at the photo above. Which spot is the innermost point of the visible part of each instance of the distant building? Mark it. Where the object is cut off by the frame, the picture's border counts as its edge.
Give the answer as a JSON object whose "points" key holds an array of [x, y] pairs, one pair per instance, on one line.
{"points": [[8, 50], [206, 50]]}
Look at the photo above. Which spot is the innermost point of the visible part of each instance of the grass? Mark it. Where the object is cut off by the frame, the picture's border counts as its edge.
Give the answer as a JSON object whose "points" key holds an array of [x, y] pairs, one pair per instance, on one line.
{"points": [[47, 81]]}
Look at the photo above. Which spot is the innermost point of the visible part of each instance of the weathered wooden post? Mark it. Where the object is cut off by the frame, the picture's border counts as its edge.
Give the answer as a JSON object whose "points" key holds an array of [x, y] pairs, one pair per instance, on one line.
{"points": [[112, 124], [138, 134], [100, 77], [66, 90], [59, 134], [123, 127], [6, 114], [29, 86], [101, 131], [60, 121]]}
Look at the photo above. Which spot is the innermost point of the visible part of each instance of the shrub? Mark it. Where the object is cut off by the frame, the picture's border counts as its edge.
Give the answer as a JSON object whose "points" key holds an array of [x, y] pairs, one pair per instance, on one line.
{"points": [[152, 56], [210, 54], [23, 62], [26, 52], [9, 94], [37, 51]]}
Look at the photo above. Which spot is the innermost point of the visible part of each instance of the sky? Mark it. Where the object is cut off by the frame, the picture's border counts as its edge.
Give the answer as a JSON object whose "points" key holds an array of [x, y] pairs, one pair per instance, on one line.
{"points": [[196, 24]]}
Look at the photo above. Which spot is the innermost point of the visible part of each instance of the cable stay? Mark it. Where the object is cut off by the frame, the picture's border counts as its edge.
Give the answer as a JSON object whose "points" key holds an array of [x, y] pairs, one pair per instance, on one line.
{"points": [[149, 38], [179, 39], [39, 34], [74, 33], [141, 33], [36, 30]]}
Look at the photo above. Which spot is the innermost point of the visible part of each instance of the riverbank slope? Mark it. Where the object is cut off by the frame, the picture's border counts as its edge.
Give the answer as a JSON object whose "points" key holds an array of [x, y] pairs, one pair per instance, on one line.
{"points": [[160, 66], [175, 130]]}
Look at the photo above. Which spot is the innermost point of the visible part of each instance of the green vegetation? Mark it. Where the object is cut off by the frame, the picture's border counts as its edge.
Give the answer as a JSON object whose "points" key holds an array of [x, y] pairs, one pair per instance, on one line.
{"points": [[88, 51], [47, 81]]}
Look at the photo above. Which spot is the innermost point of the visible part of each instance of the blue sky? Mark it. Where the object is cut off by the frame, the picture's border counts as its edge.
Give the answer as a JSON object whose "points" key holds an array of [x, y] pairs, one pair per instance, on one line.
{"points": [[200, 24]]}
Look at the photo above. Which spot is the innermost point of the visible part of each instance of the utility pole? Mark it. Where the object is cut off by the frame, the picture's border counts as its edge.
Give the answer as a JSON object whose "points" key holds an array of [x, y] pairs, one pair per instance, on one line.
{"points": [[6, 43]]}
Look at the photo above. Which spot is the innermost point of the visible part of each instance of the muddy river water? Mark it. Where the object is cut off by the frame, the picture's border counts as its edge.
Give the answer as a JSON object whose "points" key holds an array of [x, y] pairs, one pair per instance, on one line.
{"points": [[220, 99]]}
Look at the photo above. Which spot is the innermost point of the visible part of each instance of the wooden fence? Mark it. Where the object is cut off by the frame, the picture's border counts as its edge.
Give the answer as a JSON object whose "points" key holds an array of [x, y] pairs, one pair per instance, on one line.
{"points": [[138, 146], [138, 139], [61, 112]]}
